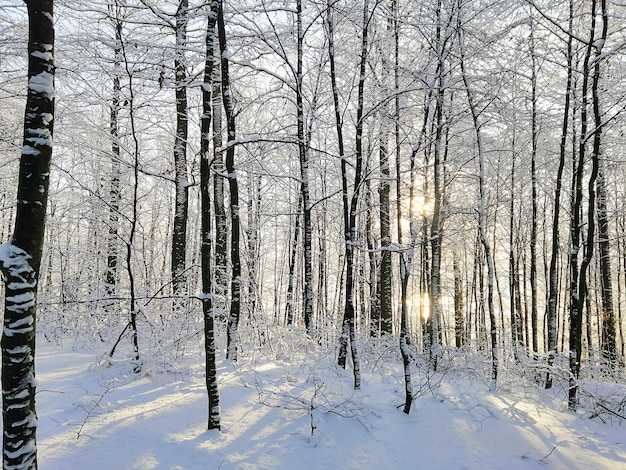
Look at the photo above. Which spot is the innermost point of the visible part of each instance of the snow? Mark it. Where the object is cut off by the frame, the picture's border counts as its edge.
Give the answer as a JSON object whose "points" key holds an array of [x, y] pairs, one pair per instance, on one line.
{"points": [[42, 83], [28, 150], [282, 409], [47, 56]]}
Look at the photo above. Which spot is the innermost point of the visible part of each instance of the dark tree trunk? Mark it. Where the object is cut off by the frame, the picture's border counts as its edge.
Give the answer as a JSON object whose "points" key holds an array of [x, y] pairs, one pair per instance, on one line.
{"points": [[553, 274], [208, 309], [348, 325], [578, 275], [235, 301], [459, 321], [307, 225], [533, 198], [21, 258], [384, 290], [608, 334], [289, 307], [482, 214], [181, 204]]}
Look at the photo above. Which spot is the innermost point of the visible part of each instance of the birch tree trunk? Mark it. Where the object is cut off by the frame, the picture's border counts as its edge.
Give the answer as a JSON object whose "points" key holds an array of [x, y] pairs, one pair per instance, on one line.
{"points": [[220, 286], [110, 280]]}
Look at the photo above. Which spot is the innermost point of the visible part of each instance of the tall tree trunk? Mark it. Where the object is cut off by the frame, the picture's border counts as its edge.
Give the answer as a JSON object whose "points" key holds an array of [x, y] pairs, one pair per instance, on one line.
{"points": [[382, 324], [514, 288], [235, 300], [533, 197], [436, 226], [289, 307], [307, 225], [253, 238], [608, 337], [553, 271], [208, 309], [110, 280], [220, 286], [578, 276], [459, 321], [384, 290], [132, 322], [482, 211], [181, 204], [21, 257], [348, 326]]}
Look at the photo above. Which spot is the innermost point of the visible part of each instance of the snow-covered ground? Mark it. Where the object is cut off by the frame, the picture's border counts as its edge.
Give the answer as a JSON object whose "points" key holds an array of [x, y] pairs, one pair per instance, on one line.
{"points": [[294, 409]]}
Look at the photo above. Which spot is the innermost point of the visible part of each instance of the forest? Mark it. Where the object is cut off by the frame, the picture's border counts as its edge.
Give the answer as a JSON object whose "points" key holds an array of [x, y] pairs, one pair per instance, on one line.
{"points": [[439, 181]]}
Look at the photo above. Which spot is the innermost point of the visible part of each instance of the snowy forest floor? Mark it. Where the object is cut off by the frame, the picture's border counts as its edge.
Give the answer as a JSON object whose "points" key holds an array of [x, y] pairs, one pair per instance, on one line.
{"points": [[290, 407]]}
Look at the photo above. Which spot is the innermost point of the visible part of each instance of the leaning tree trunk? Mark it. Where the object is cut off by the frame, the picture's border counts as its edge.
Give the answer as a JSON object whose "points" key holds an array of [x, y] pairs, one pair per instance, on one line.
{"points": [[21, 258], [208, 308]]}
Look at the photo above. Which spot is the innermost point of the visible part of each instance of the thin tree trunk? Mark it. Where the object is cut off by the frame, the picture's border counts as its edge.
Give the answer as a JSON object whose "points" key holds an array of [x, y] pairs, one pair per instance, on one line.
{"points": [[348, 326], [289, 307], [235, 301], [384, 290], [533, 180], [132, 323], [181, 204], [110, 281], [553, 275], [459, 327], [516, 317], [482, 214], [307, 225]]}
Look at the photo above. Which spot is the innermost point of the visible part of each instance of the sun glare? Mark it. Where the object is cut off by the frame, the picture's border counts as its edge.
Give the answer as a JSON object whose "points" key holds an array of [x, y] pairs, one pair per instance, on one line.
{"points": [[425, 305], [420, 305], [422, 205]]}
